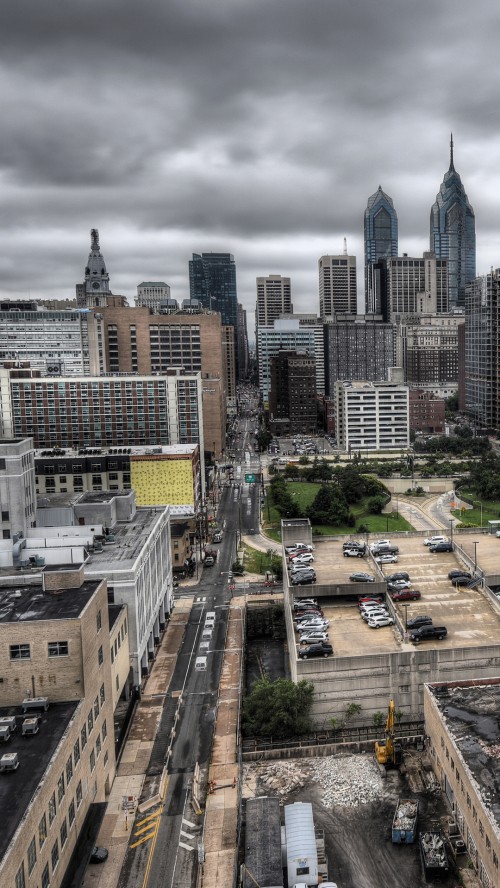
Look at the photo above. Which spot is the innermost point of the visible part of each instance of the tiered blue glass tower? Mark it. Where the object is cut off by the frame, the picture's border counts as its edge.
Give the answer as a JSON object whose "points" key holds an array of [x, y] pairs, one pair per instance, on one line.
{"points": [[381, 242]]}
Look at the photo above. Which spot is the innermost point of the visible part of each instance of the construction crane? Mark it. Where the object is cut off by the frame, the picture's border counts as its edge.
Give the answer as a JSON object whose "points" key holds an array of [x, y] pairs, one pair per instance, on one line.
{"points": [[389, 752]]}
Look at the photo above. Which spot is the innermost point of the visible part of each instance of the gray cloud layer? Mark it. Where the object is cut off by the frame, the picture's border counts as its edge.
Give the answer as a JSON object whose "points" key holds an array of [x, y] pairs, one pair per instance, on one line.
{"points": [[259, 128]]}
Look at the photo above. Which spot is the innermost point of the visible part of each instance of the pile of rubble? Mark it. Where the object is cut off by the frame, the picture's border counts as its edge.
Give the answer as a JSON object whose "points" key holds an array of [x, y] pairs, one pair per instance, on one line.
{"points": [[348, 780]]}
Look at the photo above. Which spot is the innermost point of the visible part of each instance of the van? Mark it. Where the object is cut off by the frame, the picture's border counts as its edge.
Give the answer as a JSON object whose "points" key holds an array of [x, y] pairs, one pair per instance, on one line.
{"points": [[217, 537], [200, 664], [206, 635], [210, 615]]}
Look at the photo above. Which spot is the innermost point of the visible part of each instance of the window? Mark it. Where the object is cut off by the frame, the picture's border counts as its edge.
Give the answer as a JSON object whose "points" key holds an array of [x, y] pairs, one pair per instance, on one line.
{"points": [[61, 789], [20, 652], [5, 514], [20, 880], [98, 746], [112, 655], [58, 648], [100, 656], [52, 808], [54, 854], [76, 752], [106, 758], [69, 770], [96, 708], [71, 812], [64, 833], [83, 736], [99, 620], [92, 761], [102, 694], [79, 794], [42, 831], [31, 856], [45, 876], [90, 722]]}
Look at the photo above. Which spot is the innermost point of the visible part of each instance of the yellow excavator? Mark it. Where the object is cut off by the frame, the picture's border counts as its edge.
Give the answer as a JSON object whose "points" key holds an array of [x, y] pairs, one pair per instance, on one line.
{"points": [[389, 752]]}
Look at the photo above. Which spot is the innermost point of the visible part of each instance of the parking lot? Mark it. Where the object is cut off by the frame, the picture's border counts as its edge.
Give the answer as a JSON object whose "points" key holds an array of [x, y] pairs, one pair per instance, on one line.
{"points": [[468, 615]]}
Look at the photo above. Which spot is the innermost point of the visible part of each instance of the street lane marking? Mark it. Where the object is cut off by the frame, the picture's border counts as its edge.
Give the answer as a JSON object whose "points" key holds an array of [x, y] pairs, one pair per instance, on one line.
{"points": [[149, 826], [188, 823], [147, 819], [187, 847], [141, 841], [187, 835]]}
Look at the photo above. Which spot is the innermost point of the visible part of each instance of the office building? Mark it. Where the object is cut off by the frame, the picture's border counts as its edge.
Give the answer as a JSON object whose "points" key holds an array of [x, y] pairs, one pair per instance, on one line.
{"points": [[465, 763], [55, 342], [242, 337], [229, 359], [357, 348], [55, 652], [153, 295], [413, 286], [94, 291], [337, 286], [372, 416], [17, 488], [427, 413], [212, 281], [189, 338], [453, 233], [427, 349], [381, 242], [481, 375], [292, 398], [287, 334], [273, 299], [102, 411]]}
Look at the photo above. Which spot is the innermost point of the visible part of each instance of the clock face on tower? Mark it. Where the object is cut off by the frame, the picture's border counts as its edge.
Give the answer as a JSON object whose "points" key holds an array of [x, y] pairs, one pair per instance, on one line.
{"points": [[96, 285]]}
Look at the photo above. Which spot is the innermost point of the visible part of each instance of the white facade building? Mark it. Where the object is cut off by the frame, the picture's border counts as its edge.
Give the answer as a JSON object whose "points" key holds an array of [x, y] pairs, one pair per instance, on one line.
{"points": [[151, 294], [337, 286], [372, 416], [289, 334], [273, 299]]}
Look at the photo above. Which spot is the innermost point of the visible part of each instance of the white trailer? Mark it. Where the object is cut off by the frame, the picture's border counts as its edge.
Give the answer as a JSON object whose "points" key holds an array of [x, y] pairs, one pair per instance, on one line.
{"points": [[301, 850]]}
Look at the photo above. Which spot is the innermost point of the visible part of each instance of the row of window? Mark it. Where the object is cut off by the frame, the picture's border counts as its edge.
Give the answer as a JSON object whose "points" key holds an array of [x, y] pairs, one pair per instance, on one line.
{"points": [[118, 641], [54, 649]]}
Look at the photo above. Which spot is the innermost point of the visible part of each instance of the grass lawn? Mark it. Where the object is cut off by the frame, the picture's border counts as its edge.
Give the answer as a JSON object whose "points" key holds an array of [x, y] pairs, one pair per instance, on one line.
{"points": [[472, 517], [304, 493], [256, 562]]}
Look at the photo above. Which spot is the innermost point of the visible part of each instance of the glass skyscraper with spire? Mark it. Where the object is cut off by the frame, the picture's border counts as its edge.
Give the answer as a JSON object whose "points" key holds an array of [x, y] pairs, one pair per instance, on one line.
{"points": [[381, 242], [453, 233]]}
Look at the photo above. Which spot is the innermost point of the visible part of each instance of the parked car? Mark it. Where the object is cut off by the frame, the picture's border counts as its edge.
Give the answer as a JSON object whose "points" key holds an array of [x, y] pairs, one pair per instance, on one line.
{"points": [[301, 601], [303, 570], [461, 580], [312, 612], [399, 584], [316, 650], [386, 559], [428, 632], [406, 595], [302, 559], [458, 572], [308, 625], [303, 579], [442, 547], [209, 561], [400, 575], [385, 550], [294, 546], [421, 620], [378, 621], [99, 854], [362, 578], [380, 543], [354, 544], [354, 553], [371, 615], [371, 599], [313, 637], [433, 540]]}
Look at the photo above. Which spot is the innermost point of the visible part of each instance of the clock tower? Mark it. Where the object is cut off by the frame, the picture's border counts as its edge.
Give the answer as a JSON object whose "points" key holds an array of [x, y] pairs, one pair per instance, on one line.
{"points": [[94, 292]]}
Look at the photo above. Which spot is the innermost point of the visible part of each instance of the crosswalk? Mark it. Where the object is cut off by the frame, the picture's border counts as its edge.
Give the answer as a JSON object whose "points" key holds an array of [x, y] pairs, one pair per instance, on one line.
{"points": [[185, 835]]}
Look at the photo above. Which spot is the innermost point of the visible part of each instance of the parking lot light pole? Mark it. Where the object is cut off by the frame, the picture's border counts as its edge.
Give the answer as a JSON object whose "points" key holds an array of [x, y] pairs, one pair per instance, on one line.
{"points": [[481, 506], [406, 606], [475, 542]]}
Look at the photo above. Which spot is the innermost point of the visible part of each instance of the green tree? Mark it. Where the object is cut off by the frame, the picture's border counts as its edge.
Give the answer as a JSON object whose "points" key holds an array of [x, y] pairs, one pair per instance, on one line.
{"points": [[278, 708], [329, 506], [376, 504], [264, 438]]}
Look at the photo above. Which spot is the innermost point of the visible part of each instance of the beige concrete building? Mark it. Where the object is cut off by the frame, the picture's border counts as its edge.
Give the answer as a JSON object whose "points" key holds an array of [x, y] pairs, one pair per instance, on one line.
{"points": [[56, 690], [119, 651], [462, 726], [228, 338]]}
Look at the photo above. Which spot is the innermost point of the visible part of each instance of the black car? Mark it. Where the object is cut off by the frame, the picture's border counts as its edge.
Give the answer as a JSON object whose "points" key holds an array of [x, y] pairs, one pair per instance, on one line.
{"points": [[400, 575], [99, 855], [456, 572], [316, 650], [416, 622], [362, 578], [301, 580], [428, 632], [442, 547], [461, 580], [353, 544]]}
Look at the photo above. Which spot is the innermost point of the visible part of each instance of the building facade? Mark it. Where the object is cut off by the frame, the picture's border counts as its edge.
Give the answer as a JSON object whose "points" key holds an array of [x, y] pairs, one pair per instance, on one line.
{"points": [[286, 334], [17, 487], [427, 413], [413, 286], [453, 233], [242, 337], [292, 399], [372, 416], [357, 348], [94, 291], [481, 374], [381, 242], [152, 295], [274, 298], [427, 349], [212, 281], [337, 286]]}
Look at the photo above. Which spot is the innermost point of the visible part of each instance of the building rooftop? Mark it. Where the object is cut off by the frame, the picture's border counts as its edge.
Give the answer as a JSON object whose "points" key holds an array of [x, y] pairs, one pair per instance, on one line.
{"points": [[31, 603], [17, 788], [470, 712], [129, 539], [165, 450]]}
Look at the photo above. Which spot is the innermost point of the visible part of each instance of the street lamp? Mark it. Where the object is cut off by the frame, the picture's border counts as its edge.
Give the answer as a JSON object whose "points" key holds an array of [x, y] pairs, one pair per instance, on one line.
{"points": [[451, 529], [481, 505], [475, 542], [406, 606]]}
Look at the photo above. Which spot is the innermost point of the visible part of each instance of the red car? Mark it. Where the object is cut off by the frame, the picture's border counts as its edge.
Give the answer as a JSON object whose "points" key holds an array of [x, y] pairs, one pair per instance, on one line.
{"points": [[406, 595], [369, 599]]}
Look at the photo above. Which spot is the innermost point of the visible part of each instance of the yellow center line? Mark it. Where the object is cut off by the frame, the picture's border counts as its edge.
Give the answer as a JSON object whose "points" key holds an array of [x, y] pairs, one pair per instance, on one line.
{"points": [[154, 837], [150, 817], [149, 826]]}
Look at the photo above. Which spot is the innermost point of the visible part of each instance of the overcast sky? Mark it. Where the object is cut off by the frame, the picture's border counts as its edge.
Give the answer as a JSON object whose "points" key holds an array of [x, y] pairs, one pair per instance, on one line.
{"points": [[256, 127]]}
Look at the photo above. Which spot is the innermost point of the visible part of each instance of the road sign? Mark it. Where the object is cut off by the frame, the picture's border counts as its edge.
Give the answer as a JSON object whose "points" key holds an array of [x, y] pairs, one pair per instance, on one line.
{"points": [[250, 478]]}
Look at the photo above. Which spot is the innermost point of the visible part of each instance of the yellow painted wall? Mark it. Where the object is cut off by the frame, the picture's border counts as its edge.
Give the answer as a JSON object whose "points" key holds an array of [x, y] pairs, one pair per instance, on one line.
{"points": [[160, 482]]}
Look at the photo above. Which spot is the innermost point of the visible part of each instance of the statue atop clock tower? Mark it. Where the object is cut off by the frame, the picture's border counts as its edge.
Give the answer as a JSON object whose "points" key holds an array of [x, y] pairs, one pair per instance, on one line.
{"points": [[94, 291]]}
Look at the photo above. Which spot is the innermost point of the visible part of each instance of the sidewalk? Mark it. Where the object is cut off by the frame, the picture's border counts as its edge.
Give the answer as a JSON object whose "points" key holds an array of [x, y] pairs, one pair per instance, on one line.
{"points": [[114, 833]]}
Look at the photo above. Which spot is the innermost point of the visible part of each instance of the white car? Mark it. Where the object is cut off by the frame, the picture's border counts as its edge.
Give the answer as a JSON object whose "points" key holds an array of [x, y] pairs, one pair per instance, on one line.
{"points": [[386, 559], [302, 559], [313, 637], [431, 541], [312, 626], [378, 543], [371, 615], [378, 622], [296, 546]]}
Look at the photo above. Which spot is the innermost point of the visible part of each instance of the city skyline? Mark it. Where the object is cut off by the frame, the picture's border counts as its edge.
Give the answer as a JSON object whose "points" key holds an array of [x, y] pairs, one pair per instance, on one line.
{"points": [[170, 153]]}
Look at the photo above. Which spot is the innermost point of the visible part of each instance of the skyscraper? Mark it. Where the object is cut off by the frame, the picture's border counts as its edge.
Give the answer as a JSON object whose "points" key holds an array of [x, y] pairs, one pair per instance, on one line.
{"points": [[337, 285], [381, 242], [95, 290], [212, 280], [273, 299], [453, 233]]}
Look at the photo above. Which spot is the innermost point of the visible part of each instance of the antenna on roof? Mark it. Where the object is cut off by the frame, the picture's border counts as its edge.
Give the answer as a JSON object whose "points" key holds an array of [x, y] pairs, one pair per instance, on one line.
{"points": [[345, 246]]}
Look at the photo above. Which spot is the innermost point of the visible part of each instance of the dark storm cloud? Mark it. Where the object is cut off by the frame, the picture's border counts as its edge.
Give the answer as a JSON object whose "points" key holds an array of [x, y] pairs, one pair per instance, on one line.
{"points": [[259, 128]]}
